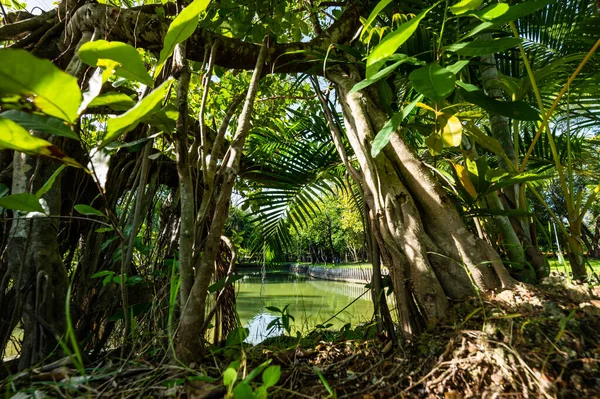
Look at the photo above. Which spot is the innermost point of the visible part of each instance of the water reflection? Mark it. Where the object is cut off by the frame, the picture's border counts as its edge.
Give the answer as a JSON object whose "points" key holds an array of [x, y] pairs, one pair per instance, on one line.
{"points": [[311, 301]]}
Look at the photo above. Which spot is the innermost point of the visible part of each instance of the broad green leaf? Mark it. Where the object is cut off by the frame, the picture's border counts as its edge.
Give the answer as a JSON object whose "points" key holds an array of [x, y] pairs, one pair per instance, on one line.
{"points": [[378, 8], [383, 136], [22, 202], [433, 81], [229, 376], [130, 119], [14, 137], [521, 10], [385, 72], [48, 185], [49, 89], [457, 66], [243, 391], [491, 12], [130, 66], [451, 130], [88, 210], [392, 41], [480, 47], [219, 285], [271, 376], [42, 123], [3, 190], [180, 30], [511, 109], [164, 119], [237, 336], [522, 178], [464, 6], [114, 100], [435, 144]]}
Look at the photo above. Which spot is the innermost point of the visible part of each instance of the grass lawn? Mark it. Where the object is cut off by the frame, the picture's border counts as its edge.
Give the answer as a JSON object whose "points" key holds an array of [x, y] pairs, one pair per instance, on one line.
{"points": [[556, 266]]}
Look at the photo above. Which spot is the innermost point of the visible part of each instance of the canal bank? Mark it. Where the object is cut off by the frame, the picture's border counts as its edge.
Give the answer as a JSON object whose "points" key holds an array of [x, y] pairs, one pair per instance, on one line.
{"points": [[357, 275]]}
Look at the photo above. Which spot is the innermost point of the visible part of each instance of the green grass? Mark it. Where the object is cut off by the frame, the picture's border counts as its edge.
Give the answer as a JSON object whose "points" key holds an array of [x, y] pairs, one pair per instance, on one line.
{"points": [[556, 266]]}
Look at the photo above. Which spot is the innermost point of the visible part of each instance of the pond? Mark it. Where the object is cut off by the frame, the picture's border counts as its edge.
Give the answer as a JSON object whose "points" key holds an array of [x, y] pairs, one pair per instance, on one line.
{"points": [[311, 302]]}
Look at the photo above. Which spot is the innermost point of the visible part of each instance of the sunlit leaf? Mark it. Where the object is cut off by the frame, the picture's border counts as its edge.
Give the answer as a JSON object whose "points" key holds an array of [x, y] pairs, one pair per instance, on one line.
{"points": [[130, 62], [493, 11], [433, 81], [465, 5], [391, 42], [22, 202], [465, 180], [14, 137], [42, 123], [384, 135], [451, 130], [480, 47], [385, 72], [50, 90], [180, 29], [114, 100], [130, 119], [378, 8]]}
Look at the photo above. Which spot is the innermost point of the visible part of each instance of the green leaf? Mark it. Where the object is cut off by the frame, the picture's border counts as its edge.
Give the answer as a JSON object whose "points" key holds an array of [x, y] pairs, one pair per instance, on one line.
{"points": [[219, 285], [273, 309], [229, 376], [15, 137], [130, 119], [102, 273], [42, 123], [3, 190], [48, 185], [88, 210], [180, 30], [271, 376], [511, 109], [433, 81], [480, 47], [113, 99], [378, 8], [24, 202], [130, 66], [457, 66], [383, 136], [50, 90], [465, 5], [392, 41], [385, 72], [237, 336], [520, 10], [435, 144], [243, 391], [491, 12]]}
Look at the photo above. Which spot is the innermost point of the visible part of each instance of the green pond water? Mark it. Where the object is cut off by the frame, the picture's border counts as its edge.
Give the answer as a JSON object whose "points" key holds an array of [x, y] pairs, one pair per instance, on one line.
{"points": [[311, 301]]}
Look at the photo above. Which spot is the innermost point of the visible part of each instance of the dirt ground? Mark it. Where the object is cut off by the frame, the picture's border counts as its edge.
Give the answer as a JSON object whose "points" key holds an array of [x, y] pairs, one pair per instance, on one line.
{"points": [[532, 342]]}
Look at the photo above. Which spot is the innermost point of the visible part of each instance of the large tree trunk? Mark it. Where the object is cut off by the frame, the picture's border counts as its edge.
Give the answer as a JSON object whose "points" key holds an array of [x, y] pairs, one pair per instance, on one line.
{"points": [[35, 265], [422, 239]]}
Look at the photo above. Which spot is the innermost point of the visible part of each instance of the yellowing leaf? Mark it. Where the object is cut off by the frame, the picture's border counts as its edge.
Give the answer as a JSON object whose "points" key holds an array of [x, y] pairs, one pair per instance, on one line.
{"points": [[14, 137], [451, 130], [465, 180]]}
